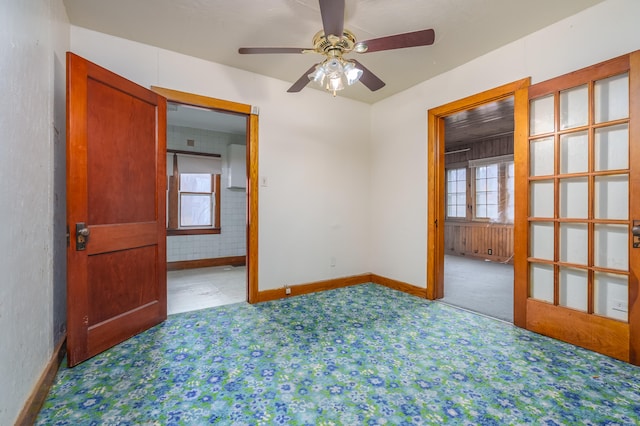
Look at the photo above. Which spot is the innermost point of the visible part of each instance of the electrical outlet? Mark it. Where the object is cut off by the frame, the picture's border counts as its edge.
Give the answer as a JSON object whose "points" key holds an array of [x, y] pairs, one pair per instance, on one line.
{"points": [[620, 305], [490, 252], [287, 289]]}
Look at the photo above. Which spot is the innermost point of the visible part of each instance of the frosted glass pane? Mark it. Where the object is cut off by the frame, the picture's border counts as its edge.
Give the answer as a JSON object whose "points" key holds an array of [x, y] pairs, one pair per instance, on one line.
{"points": [[573, 288], [195, 210], [574, 152], [611, 246], [612, 197], [541, 282], [541, 118], [542, 240], [574, 198], [574, 243], [612, 148], [195, 182], [574, 107], [612, 98], [541, 157], [542, 198], [611, 296]]}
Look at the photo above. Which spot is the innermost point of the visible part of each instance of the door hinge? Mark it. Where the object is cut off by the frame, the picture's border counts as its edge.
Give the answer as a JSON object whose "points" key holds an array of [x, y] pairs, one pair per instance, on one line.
{"points": [[68, 236]]}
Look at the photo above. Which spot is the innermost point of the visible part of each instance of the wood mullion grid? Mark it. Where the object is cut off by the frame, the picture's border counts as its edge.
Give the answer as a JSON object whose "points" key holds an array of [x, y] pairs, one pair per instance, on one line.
{"points": [[556, 199], [591, 199]]}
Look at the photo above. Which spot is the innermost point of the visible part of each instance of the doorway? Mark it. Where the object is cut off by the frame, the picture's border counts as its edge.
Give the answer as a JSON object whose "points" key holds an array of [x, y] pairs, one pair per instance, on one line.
{"points": [[212, 251], [206, 208], [479, 209], [505, 97]]}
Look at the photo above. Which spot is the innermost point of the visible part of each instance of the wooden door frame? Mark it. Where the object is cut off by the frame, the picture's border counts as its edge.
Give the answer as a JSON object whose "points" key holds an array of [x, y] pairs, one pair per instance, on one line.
{"points": [[252, 171], [436, 190]]}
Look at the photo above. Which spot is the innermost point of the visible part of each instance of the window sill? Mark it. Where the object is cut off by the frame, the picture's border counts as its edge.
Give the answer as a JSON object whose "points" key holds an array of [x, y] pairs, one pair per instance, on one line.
{"points": [[172, 232]]}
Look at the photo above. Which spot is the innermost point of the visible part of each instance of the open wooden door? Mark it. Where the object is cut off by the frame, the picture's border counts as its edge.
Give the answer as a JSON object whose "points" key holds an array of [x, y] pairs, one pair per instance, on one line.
{"points": [[116, 259], [583, 165]]}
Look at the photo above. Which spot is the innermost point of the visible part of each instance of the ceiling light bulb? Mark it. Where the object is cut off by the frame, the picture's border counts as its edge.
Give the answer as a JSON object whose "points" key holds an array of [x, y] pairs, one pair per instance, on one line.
{"points": [[352, 73], [332, 65], [335, 83], [318, 76]]}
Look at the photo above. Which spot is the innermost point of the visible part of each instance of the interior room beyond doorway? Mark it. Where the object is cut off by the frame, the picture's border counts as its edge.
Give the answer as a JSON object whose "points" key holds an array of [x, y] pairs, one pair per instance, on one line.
{"points": [[207, 203], [479, 209]]}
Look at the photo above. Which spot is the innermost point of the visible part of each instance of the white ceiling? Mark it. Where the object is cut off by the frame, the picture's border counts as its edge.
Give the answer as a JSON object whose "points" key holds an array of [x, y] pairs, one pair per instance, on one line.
{"points": [[215, 29]]}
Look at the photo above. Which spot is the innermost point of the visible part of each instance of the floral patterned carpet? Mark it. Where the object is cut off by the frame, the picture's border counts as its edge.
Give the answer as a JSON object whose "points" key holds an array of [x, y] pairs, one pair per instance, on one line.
{"points": [[362, 355]]}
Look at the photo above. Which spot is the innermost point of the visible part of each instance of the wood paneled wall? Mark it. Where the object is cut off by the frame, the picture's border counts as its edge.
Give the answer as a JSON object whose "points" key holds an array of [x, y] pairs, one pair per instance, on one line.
{"points": [[475, 239], [493, 147]]}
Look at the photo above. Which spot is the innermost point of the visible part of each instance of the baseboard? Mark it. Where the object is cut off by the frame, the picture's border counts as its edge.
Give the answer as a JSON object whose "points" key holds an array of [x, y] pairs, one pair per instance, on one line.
{"points": [[399, 285], [33, 405], [297, 290], [206, 263]]}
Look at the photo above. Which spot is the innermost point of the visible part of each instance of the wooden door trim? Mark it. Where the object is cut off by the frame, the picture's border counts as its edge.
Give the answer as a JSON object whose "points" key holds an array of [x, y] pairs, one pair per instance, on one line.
{"points": [[252, 171], [634, 204], [435, 184], [202, 101]]}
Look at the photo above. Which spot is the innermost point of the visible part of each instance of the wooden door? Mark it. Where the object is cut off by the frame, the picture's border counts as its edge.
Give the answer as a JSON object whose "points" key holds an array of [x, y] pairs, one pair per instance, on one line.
{"points": [[116, 280], [583, 152]]}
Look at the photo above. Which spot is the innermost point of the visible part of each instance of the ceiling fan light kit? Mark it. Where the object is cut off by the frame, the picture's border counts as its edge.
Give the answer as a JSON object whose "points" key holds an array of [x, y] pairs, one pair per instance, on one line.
{"points": [[335, 73]]}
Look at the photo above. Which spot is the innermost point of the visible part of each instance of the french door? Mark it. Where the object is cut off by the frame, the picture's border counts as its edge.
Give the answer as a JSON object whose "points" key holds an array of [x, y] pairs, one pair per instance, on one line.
{"points": [[583, 172]]}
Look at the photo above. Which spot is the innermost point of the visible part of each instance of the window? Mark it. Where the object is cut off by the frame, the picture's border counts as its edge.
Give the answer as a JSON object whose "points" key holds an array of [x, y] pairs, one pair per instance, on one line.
{"points": [[193, 193], [492, 190], [486, 185], [196, 200], [457, 193]]}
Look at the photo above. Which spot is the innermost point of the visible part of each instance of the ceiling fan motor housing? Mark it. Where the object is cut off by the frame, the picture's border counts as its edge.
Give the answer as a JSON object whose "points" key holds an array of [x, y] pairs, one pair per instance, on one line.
{"points": [[332, 45]]}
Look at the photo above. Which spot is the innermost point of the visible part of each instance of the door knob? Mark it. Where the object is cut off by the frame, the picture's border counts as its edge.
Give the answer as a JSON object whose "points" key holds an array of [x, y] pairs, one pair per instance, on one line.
{"points": [[82, 236]]}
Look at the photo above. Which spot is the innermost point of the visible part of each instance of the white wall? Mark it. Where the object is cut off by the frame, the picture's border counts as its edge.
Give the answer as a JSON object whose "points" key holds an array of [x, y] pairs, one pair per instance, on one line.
{"points": [[34, 36], [399, 129], [232, 239], [316, 162]]}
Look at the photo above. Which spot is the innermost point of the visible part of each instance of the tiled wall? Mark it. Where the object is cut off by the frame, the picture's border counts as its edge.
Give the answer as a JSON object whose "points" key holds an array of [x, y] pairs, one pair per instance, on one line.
{"points": [[231, 241]]}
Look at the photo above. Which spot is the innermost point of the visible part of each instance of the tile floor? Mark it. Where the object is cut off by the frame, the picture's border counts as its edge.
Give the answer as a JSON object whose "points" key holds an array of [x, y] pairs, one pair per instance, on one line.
{"points": [[193, 289]]}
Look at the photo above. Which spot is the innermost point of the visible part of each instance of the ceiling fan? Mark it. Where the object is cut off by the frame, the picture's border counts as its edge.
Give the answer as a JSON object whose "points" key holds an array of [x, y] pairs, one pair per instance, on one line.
{"points": [[334, 41]]}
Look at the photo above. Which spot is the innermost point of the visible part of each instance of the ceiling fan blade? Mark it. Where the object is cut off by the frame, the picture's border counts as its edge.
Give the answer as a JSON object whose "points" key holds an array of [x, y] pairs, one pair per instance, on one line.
{"points": [[368, 78], [332, 12], [399, 41], [253, 50], [302, 81]]}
